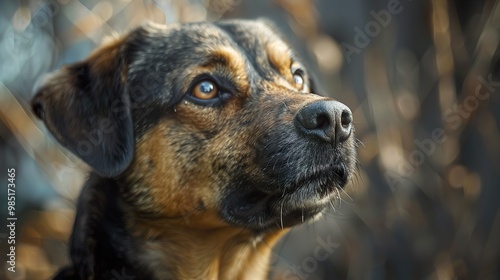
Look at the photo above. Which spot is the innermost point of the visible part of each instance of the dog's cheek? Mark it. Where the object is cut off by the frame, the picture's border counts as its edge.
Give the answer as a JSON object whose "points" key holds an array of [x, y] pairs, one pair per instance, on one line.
{"points": [[166, 176]]}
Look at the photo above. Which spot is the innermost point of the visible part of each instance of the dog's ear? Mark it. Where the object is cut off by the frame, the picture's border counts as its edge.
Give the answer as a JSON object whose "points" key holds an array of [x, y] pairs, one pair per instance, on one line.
{"points": [[87, 108]]}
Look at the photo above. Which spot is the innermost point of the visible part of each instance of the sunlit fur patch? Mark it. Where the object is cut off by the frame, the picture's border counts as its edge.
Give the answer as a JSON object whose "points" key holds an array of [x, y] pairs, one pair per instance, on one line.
{"points": [[279, 57], [235, 63]]}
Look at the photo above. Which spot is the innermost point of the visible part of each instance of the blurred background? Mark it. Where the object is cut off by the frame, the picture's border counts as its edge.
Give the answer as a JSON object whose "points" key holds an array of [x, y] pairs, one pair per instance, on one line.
{"points": [[421, 77]]}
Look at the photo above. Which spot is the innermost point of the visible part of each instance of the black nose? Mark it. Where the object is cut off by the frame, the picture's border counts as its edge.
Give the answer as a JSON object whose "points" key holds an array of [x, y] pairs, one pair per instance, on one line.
{"points": [[330, 121]]}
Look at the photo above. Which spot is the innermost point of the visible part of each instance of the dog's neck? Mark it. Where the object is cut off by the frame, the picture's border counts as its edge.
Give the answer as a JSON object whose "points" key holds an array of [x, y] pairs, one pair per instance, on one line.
{"points": [[176, 251], [137, 245]]}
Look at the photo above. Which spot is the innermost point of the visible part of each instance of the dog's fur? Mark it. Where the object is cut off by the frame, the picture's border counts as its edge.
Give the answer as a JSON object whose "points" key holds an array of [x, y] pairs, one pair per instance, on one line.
{"points": [[183, 188]]}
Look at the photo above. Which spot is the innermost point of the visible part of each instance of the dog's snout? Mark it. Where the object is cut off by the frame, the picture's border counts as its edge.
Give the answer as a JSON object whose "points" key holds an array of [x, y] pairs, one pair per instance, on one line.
{"points": [[330, 121]]}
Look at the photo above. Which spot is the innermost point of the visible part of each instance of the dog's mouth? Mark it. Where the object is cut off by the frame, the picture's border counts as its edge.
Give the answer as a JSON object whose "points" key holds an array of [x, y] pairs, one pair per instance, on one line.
{"points": [[298, 202]]}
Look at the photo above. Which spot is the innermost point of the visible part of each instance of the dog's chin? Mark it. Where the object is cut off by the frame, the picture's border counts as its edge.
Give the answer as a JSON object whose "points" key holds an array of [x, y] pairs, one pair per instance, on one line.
{"points": [[260, 210]]}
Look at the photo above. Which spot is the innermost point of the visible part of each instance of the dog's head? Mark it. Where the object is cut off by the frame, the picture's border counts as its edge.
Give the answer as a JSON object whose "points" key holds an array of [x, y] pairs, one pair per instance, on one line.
{"points": [[196, 118]]}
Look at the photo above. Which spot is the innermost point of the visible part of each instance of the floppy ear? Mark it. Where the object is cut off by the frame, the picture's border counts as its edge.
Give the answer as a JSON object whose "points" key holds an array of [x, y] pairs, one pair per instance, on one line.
{"points": [[87, 108]]}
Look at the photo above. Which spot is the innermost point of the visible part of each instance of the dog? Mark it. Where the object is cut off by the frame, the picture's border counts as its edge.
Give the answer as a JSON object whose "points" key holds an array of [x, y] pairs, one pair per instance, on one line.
{"points": [[206, 142]]}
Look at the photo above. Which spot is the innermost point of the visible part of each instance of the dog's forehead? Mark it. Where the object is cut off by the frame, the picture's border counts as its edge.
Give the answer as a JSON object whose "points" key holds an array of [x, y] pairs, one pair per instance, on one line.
{"points": [[192, 35], [253, 46], [250, 37]]}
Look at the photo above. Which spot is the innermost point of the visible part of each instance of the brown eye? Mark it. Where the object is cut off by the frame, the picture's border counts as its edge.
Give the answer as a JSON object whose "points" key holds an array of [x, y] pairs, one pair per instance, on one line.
{"points": [[298, 80], [205, 90]]}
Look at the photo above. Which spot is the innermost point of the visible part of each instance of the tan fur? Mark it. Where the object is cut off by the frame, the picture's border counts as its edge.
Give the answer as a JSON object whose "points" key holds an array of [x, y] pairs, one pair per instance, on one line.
{"points": [[163, 186], [226, 60], [279, 56], [192, 250]]}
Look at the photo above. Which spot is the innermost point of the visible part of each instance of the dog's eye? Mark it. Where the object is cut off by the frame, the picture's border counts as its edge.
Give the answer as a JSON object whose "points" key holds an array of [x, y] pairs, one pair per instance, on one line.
{"points": [[205, 90], [298, 81]]}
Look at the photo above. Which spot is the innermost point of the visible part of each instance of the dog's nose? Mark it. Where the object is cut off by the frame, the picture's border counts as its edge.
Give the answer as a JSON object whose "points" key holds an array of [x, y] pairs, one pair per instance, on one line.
{"points": [[329, 121]]}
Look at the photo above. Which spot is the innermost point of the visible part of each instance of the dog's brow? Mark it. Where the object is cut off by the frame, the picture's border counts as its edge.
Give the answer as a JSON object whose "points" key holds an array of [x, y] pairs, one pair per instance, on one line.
{"points": [[279, 56], [223, 60], [234, 61], [229, 57]]}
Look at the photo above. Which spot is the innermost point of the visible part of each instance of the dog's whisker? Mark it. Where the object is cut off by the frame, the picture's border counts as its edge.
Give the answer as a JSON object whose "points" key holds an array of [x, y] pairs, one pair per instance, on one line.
{"points": [[339, 198], [281, 215], [347, 195], [359, 142], [333, 207]]}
